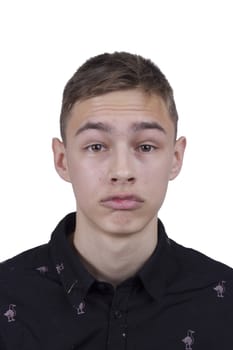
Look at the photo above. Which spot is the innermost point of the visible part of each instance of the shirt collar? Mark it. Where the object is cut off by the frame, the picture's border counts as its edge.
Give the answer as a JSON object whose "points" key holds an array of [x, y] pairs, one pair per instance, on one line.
{"points": [[156, 274], [74, 277], [160, 270]]}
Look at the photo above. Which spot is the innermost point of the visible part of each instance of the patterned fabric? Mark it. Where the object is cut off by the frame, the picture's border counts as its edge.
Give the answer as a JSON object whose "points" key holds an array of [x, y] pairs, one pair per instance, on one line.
{"points": [[180, 299]]}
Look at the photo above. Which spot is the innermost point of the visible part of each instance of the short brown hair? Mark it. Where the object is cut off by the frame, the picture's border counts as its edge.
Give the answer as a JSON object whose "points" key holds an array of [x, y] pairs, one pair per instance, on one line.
{"points": [[113, 72]]}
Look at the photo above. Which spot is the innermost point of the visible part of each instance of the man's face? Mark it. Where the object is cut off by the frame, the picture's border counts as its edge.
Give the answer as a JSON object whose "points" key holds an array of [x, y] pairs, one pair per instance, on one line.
{"points": [[119, 155]]}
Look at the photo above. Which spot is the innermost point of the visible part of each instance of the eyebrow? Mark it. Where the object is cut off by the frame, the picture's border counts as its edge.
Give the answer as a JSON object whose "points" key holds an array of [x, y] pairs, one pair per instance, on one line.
{"points": [[138, 126], [96, 126], [147, 125]]}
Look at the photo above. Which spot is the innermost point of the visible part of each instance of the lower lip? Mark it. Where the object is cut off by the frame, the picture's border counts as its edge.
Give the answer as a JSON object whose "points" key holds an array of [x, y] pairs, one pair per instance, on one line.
{"points": [[122, 204]]}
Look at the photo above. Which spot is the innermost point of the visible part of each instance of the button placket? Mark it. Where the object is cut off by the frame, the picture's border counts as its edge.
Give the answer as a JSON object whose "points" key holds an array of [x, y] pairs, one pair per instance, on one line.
{"points": [[118, 319]]}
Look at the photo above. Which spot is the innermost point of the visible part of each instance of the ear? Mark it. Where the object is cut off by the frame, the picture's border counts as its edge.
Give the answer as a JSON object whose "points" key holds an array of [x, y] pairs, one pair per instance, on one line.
{"points": [[179, 149], [60, 161]]}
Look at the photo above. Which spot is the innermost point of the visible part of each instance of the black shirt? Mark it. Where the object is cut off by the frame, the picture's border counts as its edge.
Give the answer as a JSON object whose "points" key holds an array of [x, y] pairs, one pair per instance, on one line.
{"points": [[180, 299]]}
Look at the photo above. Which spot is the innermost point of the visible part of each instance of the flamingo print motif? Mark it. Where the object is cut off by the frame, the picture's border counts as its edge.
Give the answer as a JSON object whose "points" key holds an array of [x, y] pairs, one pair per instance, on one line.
{"points": [[59, 268], [42, 269], [220, 289], [81, 308], [10, 313], [189, 340]]}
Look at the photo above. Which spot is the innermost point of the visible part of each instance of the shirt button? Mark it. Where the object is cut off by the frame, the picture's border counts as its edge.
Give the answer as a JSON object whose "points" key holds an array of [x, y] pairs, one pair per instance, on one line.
{"points": [[117, 314]]}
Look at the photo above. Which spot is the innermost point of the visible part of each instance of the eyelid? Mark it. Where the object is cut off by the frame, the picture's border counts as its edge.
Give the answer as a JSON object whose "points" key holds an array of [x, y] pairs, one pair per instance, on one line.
{"points": [[149, 143]]}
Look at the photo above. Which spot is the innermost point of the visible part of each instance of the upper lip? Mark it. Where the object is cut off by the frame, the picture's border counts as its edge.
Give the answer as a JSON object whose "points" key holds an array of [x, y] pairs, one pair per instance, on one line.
{"points": [[125, 196]]}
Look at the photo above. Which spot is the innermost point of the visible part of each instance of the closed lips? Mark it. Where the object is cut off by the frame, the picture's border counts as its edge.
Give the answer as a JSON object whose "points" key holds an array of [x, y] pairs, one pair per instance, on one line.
{"points": [[122, 202], [123, 197]]}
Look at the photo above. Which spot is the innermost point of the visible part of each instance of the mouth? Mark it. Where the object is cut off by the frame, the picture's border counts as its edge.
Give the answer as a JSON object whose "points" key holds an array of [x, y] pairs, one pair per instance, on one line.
{"points": [[122, 202]]}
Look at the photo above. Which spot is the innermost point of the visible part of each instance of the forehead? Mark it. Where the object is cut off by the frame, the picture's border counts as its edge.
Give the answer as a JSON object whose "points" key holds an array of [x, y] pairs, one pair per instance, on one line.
{"points": [[120, 109]]}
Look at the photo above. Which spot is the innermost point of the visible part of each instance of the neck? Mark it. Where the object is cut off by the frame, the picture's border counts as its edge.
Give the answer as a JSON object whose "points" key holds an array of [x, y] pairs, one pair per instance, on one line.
{"points": [[114, 258]]}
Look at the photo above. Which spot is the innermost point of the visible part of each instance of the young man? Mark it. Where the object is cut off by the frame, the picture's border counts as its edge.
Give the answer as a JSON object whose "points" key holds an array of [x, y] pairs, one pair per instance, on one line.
{"points": [[110, 278]]}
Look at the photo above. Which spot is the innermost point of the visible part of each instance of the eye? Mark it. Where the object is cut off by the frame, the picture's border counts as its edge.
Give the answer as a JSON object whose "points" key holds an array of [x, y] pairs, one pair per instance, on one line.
{"points": [[96, 147], [146, 148]]}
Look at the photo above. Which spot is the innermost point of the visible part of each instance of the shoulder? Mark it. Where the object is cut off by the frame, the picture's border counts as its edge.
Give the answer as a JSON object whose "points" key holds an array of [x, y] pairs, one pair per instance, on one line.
{"points": [[25, 258], [23, 265], [24, 282], [195, 261], [205, 286], [196, 270]]}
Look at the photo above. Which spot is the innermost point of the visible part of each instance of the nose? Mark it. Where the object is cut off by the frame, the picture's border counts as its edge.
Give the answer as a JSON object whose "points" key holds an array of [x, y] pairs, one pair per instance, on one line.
{"points": [[122, 169]]}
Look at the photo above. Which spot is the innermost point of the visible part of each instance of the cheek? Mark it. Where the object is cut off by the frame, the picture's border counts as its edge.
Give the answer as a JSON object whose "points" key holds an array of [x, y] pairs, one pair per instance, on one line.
{"points": [[158, 171], [85, 176]]}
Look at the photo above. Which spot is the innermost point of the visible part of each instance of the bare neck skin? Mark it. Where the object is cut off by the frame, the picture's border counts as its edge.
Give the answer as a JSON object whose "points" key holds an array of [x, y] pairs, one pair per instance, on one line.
{"points": [[114, 258]]}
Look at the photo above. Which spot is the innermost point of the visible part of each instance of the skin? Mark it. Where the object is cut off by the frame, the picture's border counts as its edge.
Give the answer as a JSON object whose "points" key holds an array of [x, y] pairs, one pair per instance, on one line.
{"points": [[121, 159]]}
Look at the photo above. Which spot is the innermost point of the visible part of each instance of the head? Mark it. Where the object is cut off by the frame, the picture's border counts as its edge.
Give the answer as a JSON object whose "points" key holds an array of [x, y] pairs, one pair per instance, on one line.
{"points": [[118, 126], [118, 71]]}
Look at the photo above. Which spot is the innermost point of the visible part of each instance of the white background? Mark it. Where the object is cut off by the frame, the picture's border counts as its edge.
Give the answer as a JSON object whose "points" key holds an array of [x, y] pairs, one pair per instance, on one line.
{"points": [[44, 42]]}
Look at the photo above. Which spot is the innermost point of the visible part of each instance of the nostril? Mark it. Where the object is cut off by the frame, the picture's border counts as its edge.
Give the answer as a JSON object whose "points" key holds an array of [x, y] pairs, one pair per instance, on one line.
{"points": [[131, 179]]}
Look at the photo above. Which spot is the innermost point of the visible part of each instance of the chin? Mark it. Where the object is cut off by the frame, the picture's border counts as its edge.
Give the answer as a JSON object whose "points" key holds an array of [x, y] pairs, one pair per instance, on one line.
{"points": [[124, 226]]}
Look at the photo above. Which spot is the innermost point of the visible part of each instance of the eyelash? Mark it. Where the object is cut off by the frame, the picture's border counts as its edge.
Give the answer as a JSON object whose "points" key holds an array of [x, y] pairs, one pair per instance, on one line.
{"points": [[99, 144]]}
